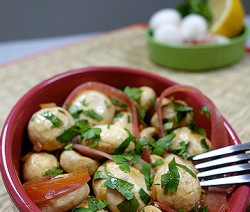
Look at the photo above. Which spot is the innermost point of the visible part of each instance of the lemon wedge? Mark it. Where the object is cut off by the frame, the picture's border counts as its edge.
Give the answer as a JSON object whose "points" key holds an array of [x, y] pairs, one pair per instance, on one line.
{"points": [[228, 17]]}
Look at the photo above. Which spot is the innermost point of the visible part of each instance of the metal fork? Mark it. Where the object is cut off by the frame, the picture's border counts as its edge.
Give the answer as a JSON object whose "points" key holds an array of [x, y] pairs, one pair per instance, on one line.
{"points": [[217, 168]]}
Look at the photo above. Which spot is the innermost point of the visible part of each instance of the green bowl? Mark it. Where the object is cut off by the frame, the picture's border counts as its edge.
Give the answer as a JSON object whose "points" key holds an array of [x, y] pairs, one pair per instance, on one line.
{"points": [[197, 57]]}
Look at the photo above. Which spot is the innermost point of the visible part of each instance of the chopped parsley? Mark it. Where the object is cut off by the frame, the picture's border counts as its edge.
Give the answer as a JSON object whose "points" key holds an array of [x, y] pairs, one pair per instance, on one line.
{"points": [[120, 185], [84, 103], [118, 115], [54, 171], [93, 134], [106, 103], [181, 149], [75, 112], [162, 144], [125, 160], [117, 102], [205, 110], [120, 149], [133, 93], [56, 122], [170, 180], [181, 111], [94, 205], [158, 162], [204, 144], [92, 114], [144, 196], [168, 126], [68, 147], [129, 205], [148, 177]]}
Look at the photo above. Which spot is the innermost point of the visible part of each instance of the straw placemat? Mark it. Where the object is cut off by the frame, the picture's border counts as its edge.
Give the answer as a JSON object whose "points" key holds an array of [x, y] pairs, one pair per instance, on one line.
{"points": [[229, 87]]}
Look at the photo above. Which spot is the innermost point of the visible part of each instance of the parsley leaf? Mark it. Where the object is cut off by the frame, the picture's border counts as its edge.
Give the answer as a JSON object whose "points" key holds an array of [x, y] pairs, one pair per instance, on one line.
{"points": [[181, 149], [181, 111], [170, 180], [122, 186], [204, 144], [68, 147], [131, 138], [205, 110], [125, 160], [56, 122], [75, 112], [128, 205], [54, 171], [92, 114], [158, 162], [94, 205], [144, 196], [148, 177], [187, 170], [162, 144], [92, 134], [133, 93], [117, 102]]}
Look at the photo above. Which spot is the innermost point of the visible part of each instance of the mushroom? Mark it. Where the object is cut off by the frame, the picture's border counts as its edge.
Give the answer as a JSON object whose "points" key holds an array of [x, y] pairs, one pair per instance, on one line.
{"points": [[123, 119], [36, 164], [150, 208], [72, 161], [113, 197], [45, 125], [188, 192], [149, 132], [169, 113], [96, 107], [67, 201], [111, 137], [147, 98], [194, 140]]}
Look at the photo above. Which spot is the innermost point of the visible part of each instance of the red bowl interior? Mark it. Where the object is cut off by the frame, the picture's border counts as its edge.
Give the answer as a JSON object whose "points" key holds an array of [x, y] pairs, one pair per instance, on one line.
{"points": [[14, 140]]}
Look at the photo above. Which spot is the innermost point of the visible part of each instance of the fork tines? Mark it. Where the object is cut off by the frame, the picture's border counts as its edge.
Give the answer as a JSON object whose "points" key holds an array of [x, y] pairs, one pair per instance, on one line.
{"points": [[219, 168]]}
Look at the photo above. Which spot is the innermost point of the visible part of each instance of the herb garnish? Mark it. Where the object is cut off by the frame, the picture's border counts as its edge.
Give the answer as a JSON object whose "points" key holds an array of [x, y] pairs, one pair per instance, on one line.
{"points": [[128, 205], [181, 149], [158, 162], [205, 110], [170, 180], [56, 122], [162, 144], [93, 134], [181, 111], [148, 177], [92, 114], [204, 144], [120, 149], [118, 102], [195, 6], [133, 93], [94, 205], [54, 171], [144, 196], [68, 147], [125, 160]]}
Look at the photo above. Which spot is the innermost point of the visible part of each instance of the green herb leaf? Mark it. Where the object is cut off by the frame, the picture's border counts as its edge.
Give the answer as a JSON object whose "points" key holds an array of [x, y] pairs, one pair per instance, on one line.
{"points": [[76, 129], [75, 112], [68, 147], [118, 115], [148, 177], [205, 110], [94, 205], [117, 102], [170, 180], [133, 93], [144, 196], [162, 144], [204, 144], [56, 122], [195, 6], [181, 149], [120, 149], [187, 170], [84, 103], [158, 162], [129, 205], [92, 114], [54, 171], [93, 134], [122, 186], [100, 175]]}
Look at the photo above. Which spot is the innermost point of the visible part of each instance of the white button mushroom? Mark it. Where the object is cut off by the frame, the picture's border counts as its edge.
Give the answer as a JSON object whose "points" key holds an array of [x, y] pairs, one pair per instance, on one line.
{"points": [[101, 107], [46, 124], [113, 196], [164, 17], [150, 208], [111, 137], [72, 161], [36, 164], [66, 202], [147, 98], [124, 120], [195, 146], [188, 191]]}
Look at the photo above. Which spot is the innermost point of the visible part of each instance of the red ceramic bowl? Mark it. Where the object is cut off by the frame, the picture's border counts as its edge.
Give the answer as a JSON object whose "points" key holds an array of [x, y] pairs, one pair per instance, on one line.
{"points": [[14, 136]]}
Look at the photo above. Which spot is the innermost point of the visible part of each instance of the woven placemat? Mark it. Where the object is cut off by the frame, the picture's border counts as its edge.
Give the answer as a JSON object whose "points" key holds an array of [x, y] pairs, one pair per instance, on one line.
{"points": [[228, 87]]}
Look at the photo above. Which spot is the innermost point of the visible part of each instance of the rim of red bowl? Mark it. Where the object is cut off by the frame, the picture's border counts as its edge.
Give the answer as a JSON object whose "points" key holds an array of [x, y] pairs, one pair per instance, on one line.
{"points": [[9, 175]]}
